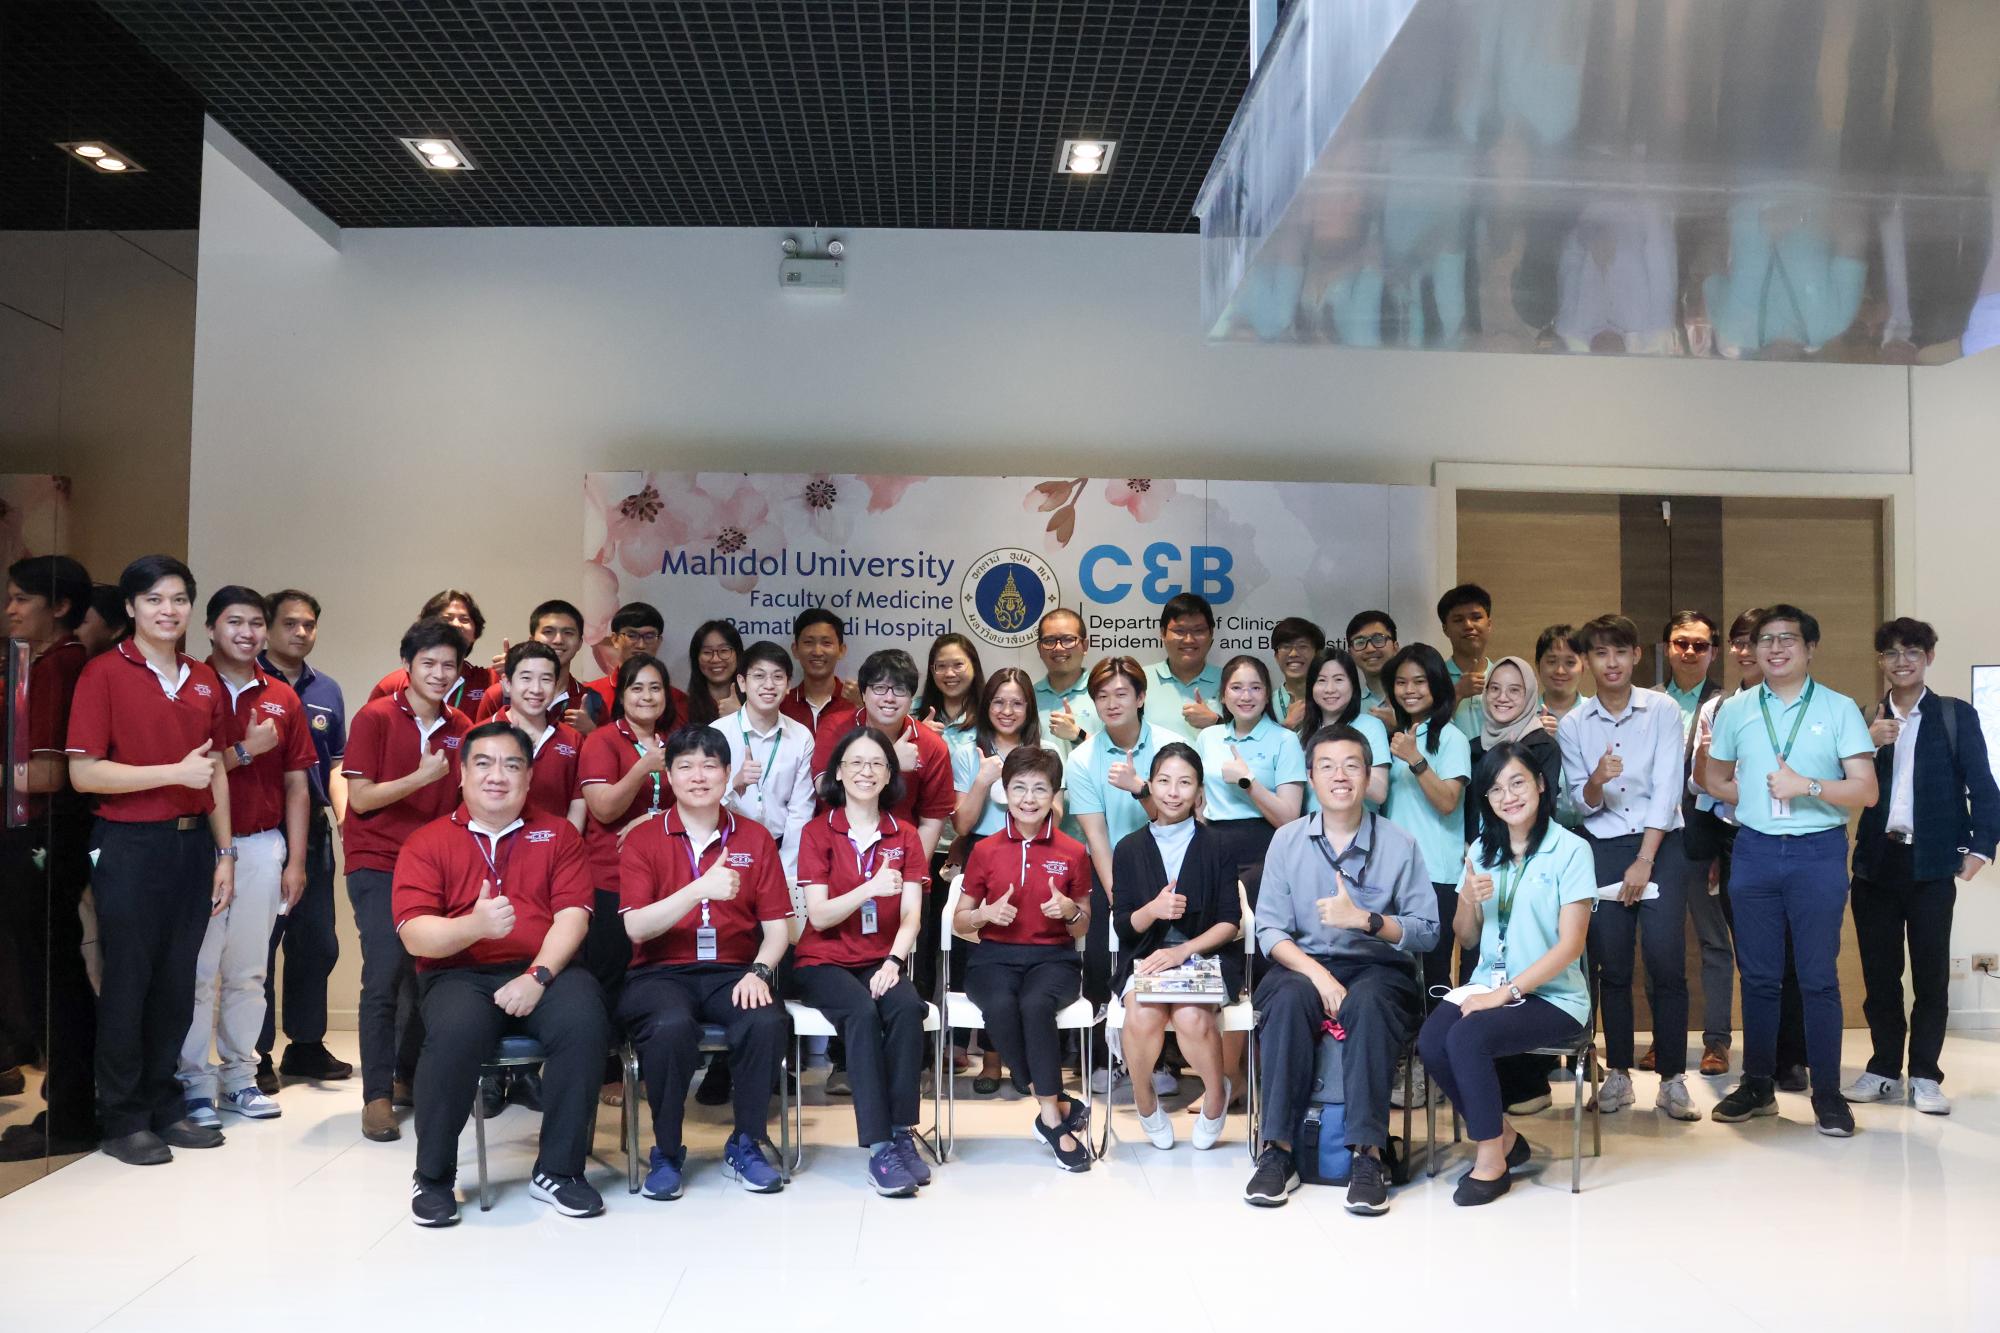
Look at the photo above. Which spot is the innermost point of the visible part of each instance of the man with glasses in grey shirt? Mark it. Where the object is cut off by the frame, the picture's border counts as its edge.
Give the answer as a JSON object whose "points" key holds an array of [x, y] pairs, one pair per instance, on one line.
{"points": [[1345, 910]]}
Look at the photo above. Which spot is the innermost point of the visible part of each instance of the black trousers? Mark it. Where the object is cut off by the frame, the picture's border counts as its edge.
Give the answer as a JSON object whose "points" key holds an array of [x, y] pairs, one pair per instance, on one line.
{"points": [[607, 949], [59, 1008], [663, 1009], [1020, 988], [1380, 1012], [1889, 909], [1097, 943], [390, 1020], [1791, 1003], [311, 947], [462, 1025], [1464, 1053], [1243, 843], [152, 883], [885, 1043], [1437, 963], [1658, 929]]}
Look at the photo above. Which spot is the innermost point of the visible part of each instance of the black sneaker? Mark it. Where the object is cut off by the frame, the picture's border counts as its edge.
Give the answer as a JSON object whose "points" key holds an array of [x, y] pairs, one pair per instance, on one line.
{"points": [[1831, 1116], [1367, 1191], [572, 1196], [312, 1060], [1794, 1078], [1074, 1158], [432, 1205], [524, 1088], [267, 1077], [1752, 1097], [1272, 1183]]}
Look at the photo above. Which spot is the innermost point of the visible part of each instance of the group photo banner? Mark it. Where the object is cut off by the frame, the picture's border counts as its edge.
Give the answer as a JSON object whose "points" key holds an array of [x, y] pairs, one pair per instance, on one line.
{"points": [[903, 559]]}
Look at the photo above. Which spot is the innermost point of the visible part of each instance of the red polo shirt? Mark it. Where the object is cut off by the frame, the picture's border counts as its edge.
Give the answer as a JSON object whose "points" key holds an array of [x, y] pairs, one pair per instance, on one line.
{"points": [[1005, 860], [384, 742], [51, 686], [928, 790], [553, 784], [836, 719], [828, 856], [608, 755], [473, 684], [121, 711], [257, 793], [660, 860], [569, 695], [537, 863]]}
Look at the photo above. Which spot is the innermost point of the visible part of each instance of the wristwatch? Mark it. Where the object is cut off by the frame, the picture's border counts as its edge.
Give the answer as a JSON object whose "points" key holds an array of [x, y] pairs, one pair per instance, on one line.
{"points": [[541, 975], [1419, 768], [229, 851], [242, 755], [1374, 926], [761, 972], [1813, 788], [1244, 783], [1515, 991]]}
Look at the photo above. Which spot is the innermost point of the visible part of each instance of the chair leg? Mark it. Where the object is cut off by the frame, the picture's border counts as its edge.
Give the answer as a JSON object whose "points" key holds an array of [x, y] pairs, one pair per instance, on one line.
{"points": [[479, 1137], [1254, 1104], [1430, 1118], [793, 1126], [1083, 1036], [629, 1120], [1576, 1131], [1596, 1115]]}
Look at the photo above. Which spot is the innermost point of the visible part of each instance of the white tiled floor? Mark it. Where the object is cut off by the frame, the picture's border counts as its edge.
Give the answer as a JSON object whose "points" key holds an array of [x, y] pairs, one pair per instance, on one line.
{"points": [[301, 1224]]}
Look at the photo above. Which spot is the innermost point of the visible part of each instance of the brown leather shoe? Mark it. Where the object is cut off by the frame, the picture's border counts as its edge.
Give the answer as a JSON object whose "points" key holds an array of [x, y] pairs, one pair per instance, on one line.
{"points": [[400, 1094], [1714, 1060], [1646, 1060], [378, 1121]]}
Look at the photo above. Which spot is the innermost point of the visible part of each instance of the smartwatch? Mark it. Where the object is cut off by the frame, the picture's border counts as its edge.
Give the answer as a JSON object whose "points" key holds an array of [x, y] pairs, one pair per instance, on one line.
{"points": [[1515, 991], [761, 972], [1421, 767], [541, 975], [1374, 926], [1244, 783]]}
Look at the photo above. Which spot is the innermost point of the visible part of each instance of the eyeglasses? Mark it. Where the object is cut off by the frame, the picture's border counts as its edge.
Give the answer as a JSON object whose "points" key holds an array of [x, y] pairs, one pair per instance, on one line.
{"points": [[1739, 644], [1188, 633], [1901, 655], [863, 766], [722, 654], [645, 638], [1370, 641], [1691, 645], [1060, 641], [1785, 640], [885, 690]]}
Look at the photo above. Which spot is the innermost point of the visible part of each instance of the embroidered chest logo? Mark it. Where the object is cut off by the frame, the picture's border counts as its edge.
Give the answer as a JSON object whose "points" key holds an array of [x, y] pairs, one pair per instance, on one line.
{"points": [[451, 742], [1055, 866], [566, 751], [204, 691], [892, 854], [319, 722], [275, 710], [740, 860], [540, 835]]}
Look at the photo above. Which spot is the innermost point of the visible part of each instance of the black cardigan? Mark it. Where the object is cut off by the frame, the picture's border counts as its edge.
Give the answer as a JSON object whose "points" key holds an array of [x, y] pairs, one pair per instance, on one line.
{"points": [[1209, 885], [1548, 758]]}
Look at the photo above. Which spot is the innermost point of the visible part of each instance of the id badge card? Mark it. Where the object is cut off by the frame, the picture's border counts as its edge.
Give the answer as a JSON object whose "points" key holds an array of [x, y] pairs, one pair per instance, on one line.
{"points": [[704, 944], [1780, 808], [871, 921]]}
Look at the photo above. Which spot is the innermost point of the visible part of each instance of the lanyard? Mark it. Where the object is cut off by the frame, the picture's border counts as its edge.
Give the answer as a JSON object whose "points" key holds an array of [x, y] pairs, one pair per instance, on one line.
{"points": [[777, 739], [694, 860], [1764, 707], [496, 869], [656, 777], [1319, 840], [1504, 901], [866, 869]]}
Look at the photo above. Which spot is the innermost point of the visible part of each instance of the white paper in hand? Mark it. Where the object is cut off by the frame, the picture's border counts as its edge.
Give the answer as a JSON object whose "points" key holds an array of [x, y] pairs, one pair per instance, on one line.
{"points": [[1460, 994], [1609, 892]]}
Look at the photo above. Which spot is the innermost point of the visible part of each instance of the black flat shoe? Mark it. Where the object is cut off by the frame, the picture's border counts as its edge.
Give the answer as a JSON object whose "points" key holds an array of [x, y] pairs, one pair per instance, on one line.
{"points": [[1472, 1192], [1076, 1114], [1071, 1159], [141, 1149], [187, 1134], [985, 1086], [1518, 1155]]}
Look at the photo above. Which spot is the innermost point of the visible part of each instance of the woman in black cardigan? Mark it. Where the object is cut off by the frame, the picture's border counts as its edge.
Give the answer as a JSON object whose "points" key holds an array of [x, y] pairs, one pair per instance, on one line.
{"points": [[1175, 896]]}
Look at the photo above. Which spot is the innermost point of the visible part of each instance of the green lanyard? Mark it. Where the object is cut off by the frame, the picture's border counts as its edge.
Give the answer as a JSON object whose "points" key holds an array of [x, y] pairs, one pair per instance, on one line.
{"points": [[656, 777], [1504, 903], [1764, 707], [777, 739]]}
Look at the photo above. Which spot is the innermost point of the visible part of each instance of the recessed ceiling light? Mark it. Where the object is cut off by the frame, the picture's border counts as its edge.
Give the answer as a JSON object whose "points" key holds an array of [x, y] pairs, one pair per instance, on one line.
{"points": [[438, 154], [101, 155], [1085, 157]]}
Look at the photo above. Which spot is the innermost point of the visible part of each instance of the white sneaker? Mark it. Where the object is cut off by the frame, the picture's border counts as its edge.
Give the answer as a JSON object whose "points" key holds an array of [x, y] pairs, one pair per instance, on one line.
{"points": [[1873, 1088], [1159, 1127], [1928, 1097], [1532, 1106], [1207, 1133], [1674, 1100], [1613, 1093]]}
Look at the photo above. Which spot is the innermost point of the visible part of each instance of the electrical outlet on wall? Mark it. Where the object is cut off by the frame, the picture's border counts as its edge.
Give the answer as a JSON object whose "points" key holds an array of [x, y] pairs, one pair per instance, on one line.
{"points": [[1961, 968], [1986, 962]]}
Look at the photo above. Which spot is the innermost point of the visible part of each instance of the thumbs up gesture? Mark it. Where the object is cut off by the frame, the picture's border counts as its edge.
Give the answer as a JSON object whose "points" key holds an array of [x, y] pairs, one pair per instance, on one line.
{"points": [[493, 913], [931, 720], [500, 658], [1063, 725], [989, 769], [196, 769], [262, 737], [720, 883], [1340, 911], [1609, 767], [1001, 911], [1169, 905], [1123, 776], [432, 766], [1884, 730], [887, 882], [1197, 714], [750, 774], [1478, 886], [906, 755], [1234, 769], [1784, 784], [1056, 906]]}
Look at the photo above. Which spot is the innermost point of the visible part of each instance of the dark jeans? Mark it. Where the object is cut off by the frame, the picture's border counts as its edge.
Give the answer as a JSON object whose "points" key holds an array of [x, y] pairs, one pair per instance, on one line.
{"points": [[462, 1025], [1659, 928], [1020, 988], [885, 1043], [663, 1009], [1462, 1053], [1791, 1010], [1798, 882], [390, 1020], [1380, 1012], [1888, 909], [152, 883], [311, 948], [1437, 963]]}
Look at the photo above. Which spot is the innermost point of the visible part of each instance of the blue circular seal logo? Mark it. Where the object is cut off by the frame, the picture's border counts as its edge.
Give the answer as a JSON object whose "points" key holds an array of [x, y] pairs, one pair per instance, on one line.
{"points": [[1004, 595]]}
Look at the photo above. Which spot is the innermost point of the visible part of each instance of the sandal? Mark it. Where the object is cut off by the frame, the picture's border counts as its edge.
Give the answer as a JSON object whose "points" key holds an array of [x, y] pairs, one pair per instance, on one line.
{"points": [[985, 1086], [1072, 1159]]}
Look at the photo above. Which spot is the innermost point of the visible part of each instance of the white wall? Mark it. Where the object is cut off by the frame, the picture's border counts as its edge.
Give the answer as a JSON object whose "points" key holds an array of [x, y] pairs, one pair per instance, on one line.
{"points": [[416, 409]]}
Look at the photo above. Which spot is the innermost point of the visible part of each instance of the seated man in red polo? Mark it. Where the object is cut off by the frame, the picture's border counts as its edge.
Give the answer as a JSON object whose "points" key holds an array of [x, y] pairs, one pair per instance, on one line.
{"points": [[493, 902]]}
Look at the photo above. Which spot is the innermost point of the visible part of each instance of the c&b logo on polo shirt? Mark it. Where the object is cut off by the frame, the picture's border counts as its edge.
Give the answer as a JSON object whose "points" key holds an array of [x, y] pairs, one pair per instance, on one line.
{"points": [[275, 710], [1004, 595], [541, 835], [1055, 866], [741, 860]]}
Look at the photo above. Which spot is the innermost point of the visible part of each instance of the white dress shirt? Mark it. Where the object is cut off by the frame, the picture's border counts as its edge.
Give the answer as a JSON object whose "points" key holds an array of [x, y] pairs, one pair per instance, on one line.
{"points": [[1903, 768], [1648, 737], [782, 799]]}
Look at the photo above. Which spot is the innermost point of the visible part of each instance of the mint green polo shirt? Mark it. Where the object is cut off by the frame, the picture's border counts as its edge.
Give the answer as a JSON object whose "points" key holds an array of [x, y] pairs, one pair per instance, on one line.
{"points": [[1090, 794], [1081, 706], [1440, 837], [1165, 695], [1271, 750], [1470, 715], [1559, 872], [1831, 729]]}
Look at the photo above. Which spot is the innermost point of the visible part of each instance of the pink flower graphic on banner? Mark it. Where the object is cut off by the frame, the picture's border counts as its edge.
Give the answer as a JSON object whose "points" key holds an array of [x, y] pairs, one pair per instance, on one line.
{"points": [[885, 492], [737, 524], [1145, 497], [818, 502], [641, 526], [600, 600], [1058, 500]]}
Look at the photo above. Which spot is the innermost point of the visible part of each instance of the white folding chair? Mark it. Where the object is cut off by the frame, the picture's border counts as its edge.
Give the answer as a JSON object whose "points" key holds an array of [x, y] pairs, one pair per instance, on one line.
{"points": [[1238, 1017], [959, 1011]]}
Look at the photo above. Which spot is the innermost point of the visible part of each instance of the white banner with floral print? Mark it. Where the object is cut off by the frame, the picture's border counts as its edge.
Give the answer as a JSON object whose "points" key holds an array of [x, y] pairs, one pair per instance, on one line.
{"points": [[905, 559]]}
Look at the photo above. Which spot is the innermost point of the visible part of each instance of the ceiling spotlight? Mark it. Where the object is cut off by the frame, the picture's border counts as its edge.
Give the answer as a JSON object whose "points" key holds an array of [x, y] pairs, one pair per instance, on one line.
{"points": [[89, 150], [110, 164], [101, 155], [1085, 157], [438, 154]]}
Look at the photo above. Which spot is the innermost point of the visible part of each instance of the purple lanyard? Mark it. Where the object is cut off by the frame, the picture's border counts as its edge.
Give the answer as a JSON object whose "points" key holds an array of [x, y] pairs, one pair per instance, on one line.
{"points": [[866, 868], [504, 844], [694, 860]]}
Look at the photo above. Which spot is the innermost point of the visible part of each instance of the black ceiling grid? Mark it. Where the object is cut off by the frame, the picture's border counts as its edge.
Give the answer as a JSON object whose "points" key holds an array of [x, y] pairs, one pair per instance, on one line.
{"points": [[764, 113]]}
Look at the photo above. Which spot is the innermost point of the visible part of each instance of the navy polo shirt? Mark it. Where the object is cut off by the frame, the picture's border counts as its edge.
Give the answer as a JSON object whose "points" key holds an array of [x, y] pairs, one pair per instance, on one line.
{"points": [[326, 718]]}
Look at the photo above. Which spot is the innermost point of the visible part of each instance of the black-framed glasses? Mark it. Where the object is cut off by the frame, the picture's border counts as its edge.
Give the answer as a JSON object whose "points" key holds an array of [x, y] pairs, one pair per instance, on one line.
{"points": [[1370, 641], [1060, 641]]}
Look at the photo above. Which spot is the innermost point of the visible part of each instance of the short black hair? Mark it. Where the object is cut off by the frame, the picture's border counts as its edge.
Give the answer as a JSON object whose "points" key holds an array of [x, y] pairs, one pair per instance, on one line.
{"points": [[1495, 840], [1465, 594], [833, 796], [233, 594], [764, 651], [892, 665], [628, 672], [1909, 632], [555, 606], [534, 650], [1610, 631], [1032, 759], [1182, 751], [147, 570], [1340, 731], [1041, 626], [1691, 617], [283, 595], [1185, 604], [698, 739], [1553, 635], [1808, 626], [819, 615], [427, 634], [1294, 628], [445, 597], [1362, 619], [54, 578], [1745, 624], [109, 603], [499, 728], [638, 615]]}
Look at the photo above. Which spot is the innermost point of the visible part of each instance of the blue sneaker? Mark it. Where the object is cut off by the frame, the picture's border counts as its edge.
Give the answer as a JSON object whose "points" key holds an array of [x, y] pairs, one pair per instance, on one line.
{"points": [[887, 1173], [743, 1160], [201, 1111], [663, 1174], [913, 1156], [251, 1104]]}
